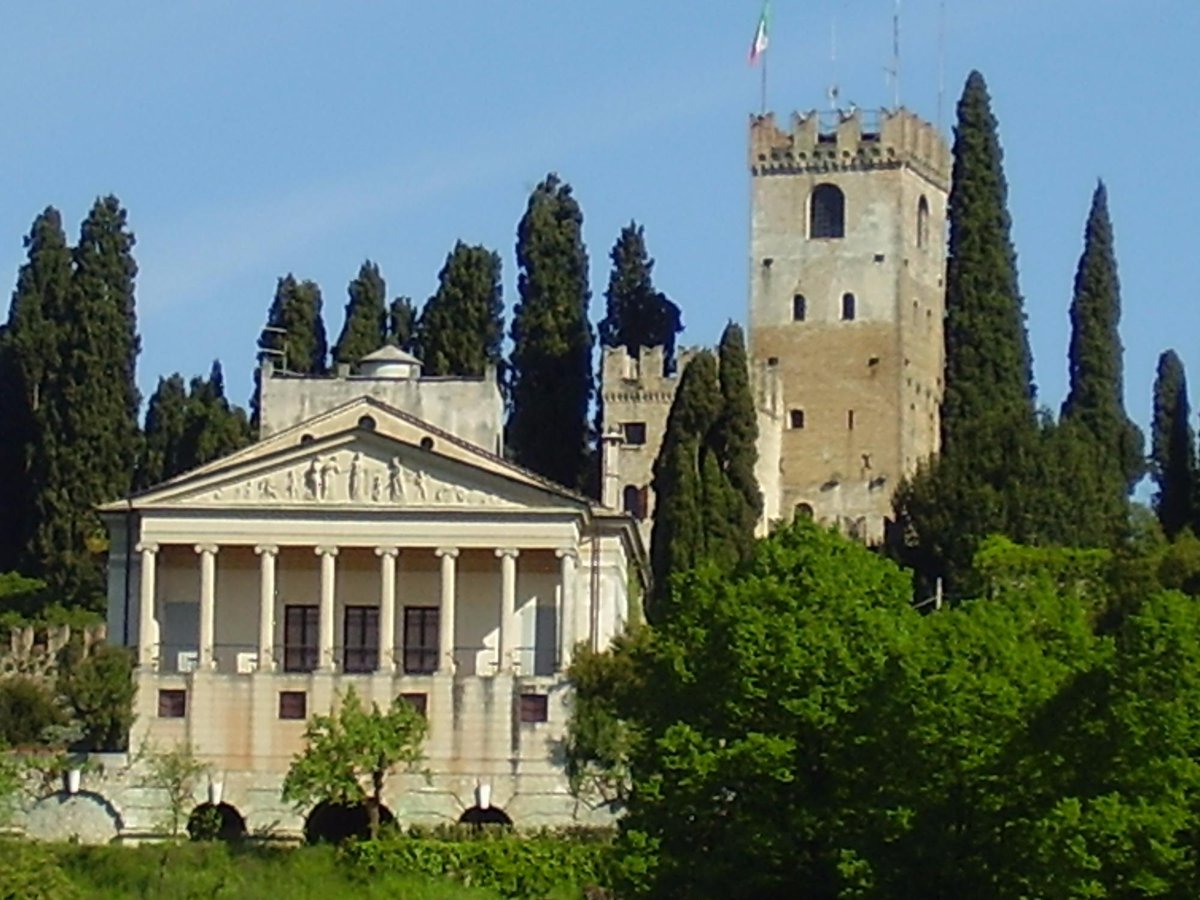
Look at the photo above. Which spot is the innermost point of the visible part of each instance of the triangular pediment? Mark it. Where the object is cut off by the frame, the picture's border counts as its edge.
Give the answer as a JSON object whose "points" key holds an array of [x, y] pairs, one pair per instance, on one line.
{"points": [[362, 455]]}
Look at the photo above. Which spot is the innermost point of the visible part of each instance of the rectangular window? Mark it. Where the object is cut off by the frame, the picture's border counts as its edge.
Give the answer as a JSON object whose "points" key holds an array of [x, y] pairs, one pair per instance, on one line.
{"points": [[796, 418], [535, 708], [420, 702], [850, 419], [300, 638], [421, 625], [293, 705], [799, 308], [172, 704], [360, 634], [635, 433]]}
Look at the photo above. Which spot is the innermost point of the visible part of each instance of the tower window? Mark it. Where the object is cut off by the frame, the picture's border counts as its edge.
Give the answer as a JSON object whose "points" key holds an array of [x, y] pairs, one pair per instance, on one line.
{"points": [[850, 419], [634, 433], [799, 308], [634, 501], [848, 307], [796, 418], [922, 222], [827, 213]]}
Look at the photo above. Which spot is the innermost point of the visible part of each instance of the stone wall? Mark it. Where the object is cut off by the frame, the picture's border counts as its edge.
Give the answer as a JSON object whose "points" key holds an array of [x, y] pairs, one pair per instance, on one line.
{"points": [[34, 651]]}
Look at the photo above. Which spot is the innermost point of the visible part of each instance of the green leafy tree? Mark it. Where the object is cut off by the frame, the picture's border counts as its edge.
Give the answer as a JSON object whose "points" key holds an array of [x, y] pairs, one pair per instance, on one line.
{"points": [[980, 485], [32, 446], [177, 772], [550, 377], [98, 690], [348, 755], [28, 710], [462, 325], [402, 324], [365, 327], [1173, 447], [735, 434], [637, 315]]}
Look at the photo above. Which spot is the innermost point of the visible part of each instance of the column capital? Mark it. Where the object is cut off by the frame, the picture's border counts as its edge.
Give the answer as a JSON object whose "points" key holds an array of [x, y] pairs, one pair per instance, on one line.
{"points": [[442, 552], [567, 553], [207, 548], [266, 550], [510, 552], [146, 547], [392, 552], [325, 551]]}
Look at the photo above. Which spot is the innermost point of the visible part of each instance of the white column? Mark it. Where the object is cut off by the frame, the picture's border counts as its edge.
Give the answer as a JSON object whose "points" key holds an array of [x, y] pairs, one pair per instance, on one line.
{"points": [[325, 658], [266, 607], [508, 603], [446, 665], [208, 604], [567, 610], [387, 607], [147, 621]]}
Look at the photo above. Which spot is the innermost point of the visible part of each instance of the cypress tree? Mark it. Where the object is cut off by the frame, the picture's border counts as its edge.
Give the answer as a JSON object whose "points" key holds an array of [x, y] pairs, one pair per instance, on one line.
{"points": [[166, 424], [31, 443], [295, 333], [402, 324], [1096, 397], [462, 325], [735, 436], [365, 328], [1173, 447], [551, 379], [636, 315], [990, 445]]}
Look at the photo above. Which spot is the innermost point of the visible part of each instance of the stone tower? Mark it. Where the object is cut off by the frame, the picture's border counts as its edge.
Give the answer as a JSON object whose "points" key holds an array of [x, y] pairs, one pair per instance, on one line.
{"points": [[847, 261]]}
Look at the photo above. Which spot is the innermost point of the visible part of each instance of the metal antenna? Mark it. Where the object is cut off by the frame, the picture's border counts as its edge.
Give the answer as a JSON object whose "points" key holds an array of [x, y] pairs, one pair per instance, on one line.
{"points": [[941, 62], [833, 83], [896, 54]]}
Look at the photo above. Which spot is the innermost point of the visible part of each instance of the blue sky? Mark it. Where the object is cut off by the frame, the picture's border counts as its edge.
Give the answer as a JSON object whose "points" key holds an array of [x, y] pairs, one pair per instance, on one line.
{"points": [[249, 139]]}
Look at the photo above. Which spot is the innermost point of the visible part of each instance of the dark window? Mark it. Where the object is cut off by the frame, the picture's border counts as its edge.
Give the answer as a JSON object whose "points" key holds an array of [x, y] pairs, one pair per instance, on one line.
{"points": [[828, 212], [922, 222], [293, 705], [796, 418], [366, 423], [426, 443], [850, 419], [172, 704], [360, 634], [635, 433], [848, 307], [420, 702], [804, 511], [633, 501], [799, 308], [535, 708], [420, 639], [300, 638]]}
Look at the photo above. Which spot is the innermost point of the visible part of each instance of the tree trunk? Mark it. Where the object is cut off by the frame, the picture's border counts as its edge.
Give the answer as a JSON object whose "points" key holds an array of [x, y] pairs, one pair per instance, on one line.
{"points": [[375, 804]]}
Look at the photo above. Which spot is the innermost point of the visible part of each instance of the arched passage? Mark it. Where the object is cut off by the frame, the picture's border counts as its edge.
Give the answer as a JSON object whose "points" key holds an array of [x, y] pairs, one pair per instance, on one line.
{"points": [[216, 822], [480, 816], [86, 817], [334, 823]]}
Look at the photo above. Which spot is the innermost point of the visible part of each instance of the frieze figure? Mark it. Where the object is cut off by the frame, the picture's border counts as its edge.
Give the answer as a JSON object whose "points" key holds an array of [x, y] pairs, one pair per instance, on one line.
{"points": [[395, 480], [377, 488], [419, 484], [312, 479], [290, 486], [356, 484]]}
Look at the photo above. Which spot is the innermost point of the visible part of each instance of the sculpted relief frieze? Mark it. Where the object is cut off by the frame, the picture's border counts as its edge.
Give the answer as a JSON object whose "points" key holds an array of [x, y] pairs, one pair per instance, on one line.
{"points": [[351, 477]]}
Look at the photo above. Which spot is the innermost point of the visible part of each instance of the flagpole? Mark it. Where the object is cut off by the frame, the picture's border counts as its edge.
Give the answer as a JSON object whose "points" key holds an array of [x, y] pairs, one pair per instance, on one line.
{"points": [[764, 83]]}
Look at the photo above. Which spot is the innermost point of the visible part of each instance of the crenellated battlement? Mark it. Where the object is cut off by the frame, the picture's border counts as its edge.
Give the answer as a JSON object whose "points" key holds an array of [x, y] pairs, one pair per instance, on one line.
{"points": [[641, 378], [849, 140]]}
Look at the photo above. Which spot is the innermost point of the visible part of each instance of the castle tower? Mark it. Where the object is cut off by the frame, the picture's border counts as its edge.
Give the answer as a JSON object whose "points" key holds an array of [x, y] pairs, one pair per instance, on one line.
{"points": [[847, 262]]}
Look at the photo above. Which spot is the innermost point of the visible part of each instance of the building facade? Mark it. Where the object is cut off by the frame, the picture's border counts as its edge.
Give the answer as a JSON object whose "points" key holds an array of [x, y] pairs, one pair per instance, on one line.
{"points": [[361, 545]]}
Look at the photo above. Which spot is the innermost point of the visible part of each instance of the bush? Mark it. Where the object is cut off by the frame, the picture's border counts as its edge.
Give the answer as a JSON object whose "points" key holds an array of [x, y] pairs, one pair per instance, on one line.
{"points": [[29, 872], [515, 866], [99, 691], [27, 710]]}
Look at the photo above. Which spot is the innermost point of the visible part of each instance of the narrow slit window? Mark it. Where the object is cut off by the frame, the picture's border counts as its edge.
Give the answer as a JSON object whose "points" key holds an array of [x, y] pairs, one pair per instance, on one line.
{"points": [[850, 419], [797, 418], [799, 308], [848, 307]]}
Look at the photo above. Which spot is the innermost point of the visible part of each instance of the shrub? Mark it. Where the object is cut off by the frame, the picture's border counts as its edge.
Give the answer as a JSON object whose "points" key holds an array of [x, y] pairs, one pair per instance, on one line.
{"points": [[27, 710], [99, 691], [29, 871]]}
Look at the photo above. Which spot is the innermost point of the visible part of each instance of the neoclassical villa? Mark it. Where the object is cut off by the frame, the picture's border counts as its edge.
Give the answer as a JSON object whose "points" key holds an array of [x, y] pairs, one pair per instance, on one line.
{"points": [[374, 537]]}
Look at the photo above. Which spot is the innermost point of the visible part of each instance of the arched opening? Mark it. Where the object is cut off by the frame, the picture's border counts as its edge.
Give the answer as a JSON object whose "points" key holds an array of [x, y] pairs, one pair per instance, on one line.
{"points": [[478, 817], [799, 308], [426, 443], [922, 222], [804, 512], [366, 423], [633, 501], [334, 823], [848, 308], [216, 822], [827, 212]]}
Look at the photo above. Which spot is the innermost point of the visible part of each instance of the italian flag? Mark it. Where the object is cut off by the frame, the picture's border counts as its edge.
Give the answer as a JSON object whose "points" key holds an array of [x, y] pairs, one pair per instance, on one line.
{"points": [[761, 38]]}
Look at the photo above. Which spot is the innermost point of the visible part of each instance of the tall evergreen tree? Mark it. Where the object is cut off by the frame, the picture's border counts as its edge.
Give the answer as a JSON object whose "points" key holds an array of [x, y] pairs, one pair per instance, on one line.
{"points": [[31, 442], [637, 315], [295, 332], [462, 325], [1173, 447], [402, 324], [735, 434], [166, 424], [213, 428], [365, 328], [1096, 397], [990, 444], [551, 379]]}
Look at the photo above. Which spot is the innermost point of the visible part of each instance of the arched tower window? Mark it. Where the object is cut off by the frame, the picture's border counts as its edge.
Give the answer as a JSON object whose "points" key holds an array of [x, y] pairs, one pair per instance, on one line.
{"points": [[827, 212], [634, 501], [848, 307], [799, 308], [804, 511], [922, 222]]}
